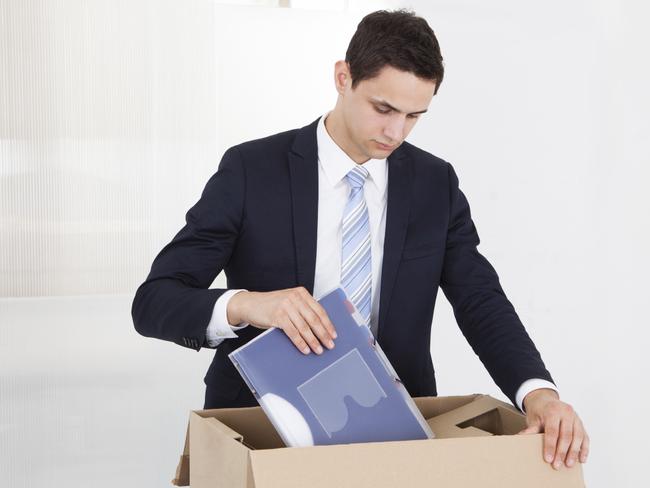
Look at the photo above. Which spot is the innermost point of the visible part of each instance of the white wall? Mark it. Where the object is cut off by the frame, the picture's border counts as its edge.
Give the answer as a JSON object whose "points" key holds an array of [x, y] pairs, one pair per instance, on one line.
{"points": [[543, 113], [114, 114], [108, 126]]}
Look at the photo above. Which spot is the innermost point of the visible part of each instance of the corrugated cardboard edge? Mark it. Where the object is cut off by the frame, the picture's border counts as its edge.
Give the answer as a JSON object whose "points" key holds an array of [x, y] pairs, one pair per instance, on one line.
{"points": [[182, 476], [208, 436], [204, 417]]}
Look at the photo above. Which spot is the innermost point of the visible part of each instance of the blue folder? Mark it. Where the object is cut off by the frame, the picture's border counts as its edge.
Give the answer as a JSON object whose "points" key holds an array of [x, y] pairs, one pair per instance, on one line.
{"points": [[347, 394]]}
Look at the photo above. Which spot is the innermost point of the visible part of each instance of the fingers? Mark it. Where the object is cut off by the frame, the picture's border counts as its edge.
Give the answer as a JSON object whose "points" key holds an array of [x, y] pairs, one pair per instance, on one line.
{"points": [[322, 315], [551, 434], [316, 318], [565, 438], [584, 450], [576, 443], [532, 429], [566, 435], [304, 329], [293, 335], [304, 321]]}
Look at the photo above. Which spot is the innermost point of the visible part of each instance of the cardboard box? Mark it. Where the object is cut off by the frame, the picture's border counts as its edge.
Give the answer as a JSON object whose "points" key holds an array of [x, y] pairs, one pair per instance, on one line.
{"points": [[475, 445]]}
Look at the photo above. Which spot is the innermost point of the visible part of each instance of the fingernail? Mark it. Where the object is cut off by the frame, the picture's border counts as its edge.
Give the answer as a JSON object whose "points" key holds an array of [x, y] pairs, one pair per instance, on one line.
{"points": [[305, 350], [548, 458], [334, 335], [556, 465], [319, 350], [569, 463], [330, 344]]}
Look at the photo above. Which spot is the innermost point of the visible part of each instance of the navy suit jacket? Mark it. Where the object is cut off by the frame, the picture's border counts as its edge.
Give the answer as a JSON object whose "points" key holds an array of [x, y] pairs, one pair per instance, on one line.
{"points": [[257, 221]]}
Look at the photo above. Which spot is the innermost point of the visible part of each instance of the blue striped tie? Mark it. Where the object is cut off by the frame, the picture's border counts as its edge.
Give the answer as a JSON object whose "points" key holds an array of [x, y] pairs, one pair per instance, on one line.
{"points": [[356, 269]]}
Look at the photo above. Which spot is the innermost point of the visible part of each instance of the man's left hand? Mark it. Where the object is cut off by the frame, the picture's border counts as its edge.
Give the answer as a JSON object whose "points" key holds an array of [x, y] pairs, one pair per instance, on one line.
{"points": [[565, 438]]}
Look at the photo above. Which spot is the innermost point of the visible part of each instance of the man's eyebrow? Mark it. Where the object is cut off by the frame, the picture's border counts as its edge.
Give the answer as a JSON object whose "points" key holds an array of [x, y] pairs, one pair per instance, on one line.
{"points": [[386, 104]]}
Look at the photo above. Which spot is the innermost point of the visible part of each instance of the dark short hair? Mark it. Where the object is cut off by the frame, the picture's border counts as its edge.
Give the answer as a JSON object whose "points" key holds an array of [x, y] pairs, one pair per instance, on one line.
{"points": [[399, 39]]}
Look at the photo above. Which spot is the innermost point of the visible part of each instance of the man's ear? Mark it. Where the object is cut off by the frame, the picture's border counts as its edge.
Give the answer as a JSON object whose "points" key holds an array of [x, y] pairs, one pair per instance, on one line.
{"points": [[342, 77]]}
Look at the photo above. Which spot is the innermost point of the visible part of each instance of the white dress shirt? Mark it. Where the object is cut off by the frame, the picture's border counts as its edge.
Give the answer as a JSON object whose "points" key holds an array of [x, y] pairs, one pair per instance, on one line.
{"points": [[333, 192]]}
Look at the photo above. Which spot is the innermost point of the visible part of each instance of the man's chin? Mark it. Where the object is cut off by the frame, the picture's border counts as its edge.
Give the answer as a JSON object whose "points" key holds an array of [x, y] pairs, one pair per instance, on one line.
{"points": [[383, 154]]}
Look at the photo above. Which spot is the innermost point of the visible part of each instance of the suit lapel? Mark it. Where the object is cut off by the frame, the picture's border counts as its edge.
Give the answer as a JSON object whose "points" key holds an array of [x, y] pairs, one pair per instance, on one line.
{"points": [[398, 206], [303, 173]]}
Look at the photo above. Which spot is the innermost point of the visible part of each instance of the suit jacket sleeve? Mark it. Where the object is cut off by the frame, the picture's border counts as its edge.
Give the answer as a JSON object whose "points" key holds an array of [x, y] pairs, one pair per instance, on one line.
{"points": [[174, 303], [485, 316]]}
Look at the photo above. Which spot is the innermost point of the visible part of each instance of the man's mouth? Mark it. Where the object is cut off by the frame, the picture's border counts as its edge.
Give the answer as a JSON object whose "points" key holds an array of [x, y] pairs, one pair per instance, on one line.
{"points": [[386, 147]]}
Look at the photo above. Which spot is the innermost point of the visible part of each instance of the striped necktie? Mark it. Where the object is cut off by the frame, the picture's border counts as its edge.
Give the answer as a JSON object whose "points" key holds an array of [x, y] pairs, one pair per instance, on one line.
{"points": [[356, 269]]}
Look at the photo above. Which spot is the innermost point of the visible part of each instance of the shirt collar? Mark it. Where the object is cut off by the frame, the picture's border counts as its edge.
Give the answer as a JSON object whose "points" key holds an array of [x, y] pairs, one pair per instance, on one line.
{"points": [[337, 164]]}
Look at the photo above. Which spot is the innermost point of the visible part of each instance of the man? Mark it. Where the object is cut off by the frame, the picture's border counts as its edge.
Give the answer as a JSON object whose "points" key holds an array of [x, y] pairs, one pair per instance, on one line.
{"points": [[345, 200]]}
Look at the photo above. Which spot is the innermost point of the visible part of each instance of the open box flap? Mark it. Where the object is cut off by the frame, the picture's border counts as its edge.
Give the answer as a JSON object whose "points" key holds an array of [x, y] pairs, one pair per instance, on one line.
{"points": [[182, 476], [484, 416]]}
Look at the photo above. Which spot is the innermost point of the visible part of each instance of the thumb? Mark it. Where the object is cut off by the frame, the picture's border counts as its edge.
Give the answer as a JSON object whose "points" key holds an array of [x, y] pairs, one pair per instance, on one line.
{"points": [[534, 428]]}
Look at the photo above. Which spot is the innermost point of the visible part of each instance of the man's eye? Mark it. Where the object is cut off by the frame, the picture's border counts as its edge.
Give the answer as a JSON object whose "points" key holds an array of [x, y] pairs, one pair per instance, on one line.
{"points": [[413, 116], [382, 111]]}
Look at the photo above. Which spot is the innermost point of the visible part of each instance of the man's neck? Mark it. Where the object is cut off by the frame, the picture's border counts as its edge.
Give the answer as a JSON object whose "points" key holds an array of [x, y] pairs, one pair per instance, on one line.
{"points": [[336, 129]]}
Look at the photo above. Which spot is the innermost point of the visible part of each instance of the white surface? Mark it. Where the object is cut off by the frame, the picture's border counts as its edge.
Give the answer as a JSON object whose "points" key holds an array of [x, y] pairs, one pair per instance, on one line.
{"points": [[543, 113], [85, 400]]}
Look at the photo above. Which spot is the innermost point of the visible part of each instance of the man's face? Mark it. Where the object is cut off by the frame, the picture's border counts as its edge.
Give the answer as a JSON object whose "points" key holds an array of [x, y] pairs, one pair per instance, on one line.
{"points": [[380, 112]]}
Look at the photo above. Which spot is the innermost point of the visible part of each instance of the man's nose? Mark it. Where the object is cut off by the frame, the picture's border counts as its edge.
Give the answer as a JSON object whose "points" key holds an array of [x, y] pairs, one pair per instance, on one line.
{"points": [[394, 130]]}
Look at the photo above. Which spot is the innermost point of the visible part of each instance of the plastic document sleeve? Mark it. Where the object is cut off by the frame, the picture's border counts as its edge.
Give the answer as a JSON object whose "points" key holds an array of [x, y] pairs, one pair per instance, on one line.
{"points": [[347, 394]]}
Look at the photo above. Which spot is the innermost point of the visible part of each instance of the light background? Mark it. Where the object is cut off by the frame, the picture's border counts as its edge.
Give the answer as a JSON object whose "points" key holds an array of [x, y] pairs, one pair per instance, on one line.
{"points": [[113, 115]]}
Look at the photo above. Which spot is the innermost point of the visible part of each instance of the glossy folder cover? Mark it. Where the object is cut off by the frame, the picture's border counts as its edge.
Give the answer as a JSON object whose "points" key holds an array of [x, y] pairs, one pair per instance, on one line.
{"points": [[347, 394]]}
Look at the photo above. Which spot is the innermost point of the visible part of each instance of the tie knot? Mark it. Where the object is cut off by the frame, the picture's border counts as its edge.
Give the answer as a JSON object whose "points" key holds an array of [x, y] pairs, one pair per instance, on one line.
{"points": [[357, 176]]}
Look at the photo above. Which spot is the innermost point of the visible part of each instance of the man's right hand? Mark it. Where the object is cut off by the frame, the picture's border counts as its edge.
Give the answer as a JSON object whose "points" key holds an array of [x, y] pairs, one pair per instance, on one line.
{"points": [[293, 310]]}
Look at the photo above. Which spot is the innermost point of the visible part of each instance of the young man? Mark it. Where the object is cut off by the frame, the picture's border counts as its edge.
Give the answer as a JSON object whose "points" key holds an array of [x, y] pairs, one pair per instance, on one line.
{"points": [[345, 200]]}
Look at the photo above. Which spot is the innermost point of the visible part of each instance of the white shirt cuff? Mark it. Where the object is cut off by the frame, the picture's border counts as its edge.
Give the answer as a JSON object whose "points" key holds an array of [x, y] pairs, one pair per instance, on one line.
{"points": [[530, 385], [219, 329]]}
